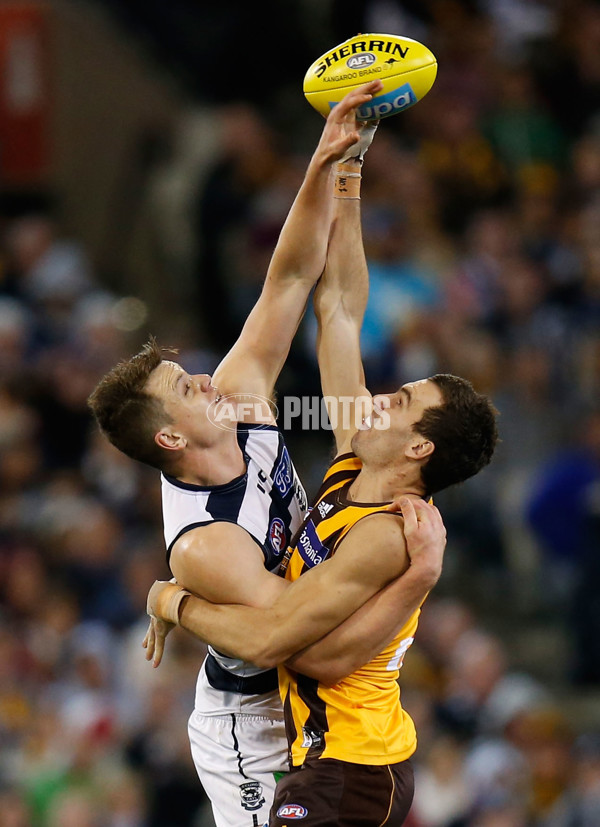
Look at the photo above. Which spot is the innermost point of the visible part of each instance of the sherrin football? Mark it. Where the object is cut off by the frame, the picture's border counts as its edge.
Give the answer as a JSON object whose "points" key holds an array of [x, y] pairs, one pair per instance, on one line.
{"points": [[406, 67]]}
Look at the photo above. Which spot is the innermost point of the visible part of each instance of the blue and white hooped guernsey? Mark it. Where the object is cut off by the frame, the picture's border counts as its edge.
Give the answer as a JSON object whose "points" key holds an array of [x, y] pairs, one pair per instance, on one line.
{"points": [[268, 501]]}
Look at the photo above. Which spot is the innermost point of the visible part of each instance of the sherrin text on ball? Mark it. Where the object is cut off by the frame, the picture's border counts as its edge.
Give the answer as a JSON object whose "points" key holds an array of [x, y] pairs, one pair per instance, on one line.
{"points": [[406, 68]]}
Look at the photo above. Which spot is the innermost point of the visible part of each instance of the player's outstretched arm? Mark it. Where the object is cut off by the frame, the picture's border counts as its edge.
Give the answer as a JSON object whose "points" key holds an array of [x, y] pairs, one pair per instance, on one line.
{"points": [[310, 607], [254, 362], [369, 630], [340, 301]]}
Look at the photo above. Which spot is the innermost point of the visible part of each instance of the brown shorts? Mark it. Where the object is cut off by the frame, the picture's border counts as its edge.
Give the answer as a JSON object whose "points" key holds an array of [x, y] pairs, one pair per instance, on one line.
{"points": [[330, 793]]}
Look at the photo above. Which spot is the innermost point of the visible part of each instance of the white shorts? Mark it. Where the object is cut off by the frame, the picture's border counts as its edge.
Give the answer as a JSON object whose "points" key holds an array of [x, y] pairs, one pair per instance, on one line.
{"points": [[238, 758]]}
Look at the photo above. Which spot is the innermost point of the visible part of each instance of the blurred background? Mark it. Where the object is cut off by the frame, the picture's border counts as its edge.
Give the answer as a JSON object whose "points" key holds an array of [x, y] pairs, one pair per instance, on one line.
{"points": [[149, 153]]}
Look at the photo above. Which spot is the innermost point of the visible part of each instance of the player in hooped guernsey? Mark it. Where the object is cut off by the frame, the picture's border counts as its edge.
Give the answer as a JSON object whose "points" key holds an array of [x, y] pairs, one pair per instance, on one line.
{"points": [[269, 502]]}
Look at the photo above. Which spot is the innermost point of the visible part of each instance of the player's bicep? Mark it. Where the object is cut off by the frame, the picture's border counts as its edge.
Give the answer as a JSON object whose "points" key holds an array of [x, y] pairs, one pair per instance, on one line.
{"points": [[222, 563]]}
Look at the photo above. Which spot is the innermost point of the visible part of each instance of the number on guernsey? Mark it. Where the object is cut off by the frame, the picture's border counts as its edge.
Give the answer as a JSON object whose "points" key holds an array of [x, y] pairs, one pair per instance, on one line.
{"points": [[396, 661]]}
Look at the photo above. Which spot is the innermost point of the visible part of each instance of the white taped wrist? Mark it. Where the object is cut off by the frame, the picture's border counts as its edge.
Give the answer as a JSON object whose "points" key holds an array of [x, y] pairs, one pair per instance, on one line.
{"points": [[367, 132]]}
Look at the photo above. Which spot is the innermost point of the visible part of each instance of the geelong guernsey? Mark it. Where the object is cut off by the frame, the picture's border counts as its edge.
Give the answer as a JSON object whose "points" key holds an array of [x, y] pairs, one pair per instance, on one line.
{"points": [[360, 719], [268, 501]]}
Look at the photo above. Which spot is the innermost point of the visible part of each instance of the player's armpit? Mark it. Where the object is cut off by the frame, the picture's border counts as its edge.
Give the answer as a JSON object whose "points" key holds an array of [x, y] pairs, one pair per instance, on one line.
{"points": [[222, 563]]}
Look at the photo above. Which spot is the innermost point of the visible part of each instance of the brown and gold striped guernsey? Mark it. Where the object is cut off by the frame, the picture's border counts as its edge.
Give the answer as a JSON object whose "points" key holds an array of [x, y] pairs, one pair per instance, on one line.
{"points": [[360, 719]]}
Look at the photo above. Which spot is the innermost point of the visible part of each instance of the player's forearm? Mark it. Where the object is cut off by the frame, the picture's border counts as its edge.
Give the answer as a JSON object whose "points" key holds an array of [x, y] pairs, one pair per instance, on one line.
{"points": [[264, 637], [306, 611], [368, 631], [233, 630], [345, 283]]}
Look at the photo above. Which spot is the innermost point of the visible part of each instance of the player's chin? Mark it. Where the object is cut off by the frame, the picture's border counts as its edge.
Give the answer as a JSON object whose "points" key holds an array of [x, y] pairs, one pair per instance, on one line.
{"points": [[360, 437]]}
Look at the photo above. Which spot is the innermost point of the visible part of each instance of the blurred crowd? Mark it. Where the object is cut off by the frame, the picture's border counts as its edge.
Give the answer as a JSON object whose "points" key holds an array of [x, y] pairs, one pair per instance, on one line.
{"points": [[481, 222]]}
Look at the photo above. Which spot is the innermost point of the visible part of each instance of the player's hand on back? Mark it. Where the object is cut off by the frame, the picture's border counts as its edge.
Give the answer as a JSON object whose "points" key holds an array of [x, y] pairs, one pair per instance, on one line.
{"points": [[425, 534]]}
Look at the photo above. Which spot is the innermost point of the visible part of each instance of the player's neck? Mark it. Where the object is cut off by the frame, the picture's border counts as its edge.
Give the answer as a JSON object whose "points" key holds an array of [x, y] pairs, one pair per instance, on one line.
{"points": [[215, 465], [383, 485]]}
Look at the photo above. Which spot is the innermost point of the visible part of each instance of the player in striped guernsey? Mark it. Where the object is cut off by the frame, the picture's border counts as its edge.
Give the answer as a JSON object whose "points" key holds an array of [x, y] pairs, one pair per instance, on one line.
{"points": [[231, 497], [350, 739]]}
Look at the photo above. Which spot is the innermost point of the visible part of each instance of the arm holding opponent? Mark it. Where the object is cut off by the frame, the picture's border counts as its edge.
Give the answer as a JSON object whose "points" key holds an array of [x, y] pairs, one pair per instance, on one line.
{"points": [[318, 601], [233, 629]]}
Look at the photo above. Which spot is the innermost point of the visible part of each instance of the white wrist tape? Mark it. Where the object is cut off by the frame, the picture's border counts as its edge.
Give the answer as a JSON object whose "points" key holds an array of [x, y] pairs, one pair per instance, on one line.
{"points": [[367, 131]]}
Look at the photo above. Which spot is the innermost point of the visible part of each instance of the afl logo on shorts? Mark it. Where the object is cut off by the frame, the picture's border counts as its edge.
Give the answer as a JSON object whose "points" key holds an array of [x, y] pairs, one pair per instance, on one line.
{"points": [[277, 535], [292, 811]]}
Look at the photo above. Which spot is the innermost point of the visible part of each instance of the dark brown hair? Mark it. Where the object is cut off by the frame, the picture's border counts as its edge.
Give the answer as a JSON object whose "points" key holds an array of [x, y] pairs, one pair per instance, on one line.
{"points": [[463, 429], [126, 413]]}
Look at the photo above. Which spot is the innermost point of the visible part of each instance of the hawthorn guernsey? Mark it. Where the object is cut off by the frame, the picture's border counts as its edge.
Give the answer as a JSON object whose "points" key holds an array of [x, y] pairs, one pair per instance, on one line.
{"points": [[406, 68]]}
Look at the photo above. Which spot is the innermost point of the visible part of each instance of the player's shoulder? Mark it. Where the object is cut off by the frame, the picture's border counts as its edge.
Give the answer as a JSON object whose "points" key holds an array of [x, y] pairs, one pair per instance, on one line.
{"points": [[378, 529], [376, 540]]}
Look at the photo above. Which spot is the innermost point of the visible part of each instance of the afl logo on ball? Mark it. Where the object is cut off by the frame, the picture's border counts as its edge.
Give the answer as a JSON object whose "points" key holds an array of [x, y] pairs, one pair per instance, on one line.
{"points": [[277, 535], [358, 61], [292, 811]]}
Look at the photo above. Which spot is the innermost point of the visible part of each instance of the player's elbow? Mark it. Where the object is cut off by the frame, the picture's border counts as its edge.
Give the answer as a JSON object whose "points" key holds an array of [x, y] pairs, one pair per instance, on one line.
{"points": [[329, 672], [266, 653], [335, 671], [266, 658]]}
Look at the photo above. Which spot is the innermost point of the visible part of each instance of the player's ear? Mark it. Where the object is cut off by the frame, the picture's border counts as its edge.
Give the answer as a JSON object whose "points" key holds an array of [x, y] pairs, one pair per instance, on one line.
{"points": [[170, 440], [420, 448]]}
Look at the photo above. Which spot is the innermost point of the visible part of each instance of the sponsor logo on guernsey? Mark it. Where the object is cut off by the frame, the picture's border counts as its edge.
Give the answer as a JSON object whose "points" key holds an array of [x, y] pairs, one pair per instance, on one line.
{"points": [[251, 794], [292, 811], [277, 535], [283, 476], [310, 547], [324, 508]]}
